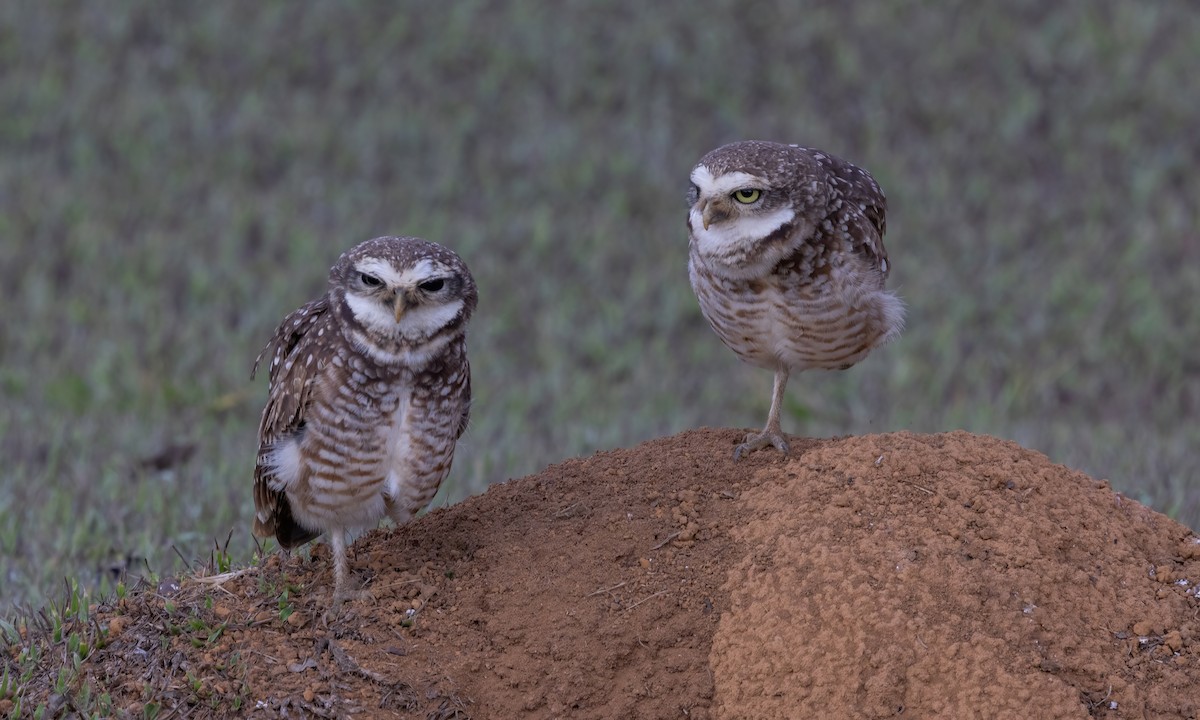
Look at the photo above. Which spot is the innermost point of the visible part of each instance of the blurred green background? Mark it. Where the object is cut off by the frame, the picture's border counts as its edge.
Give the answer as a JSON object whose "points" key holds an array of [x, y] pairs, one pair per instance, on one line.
{"points": [[176, 177]]}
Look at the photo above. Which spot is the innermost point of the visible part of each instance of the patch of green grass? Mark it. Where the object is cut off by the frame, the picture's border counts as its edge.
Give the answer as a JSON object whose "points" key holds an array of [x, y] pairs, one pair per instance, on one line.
{"points": [[54, 643], [174, 180]]}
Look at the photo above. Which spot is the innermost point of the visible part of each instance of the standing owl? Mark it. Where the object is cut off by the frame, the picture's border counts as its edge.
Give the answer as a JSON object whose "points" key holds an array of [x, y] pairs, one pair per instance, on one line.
{"points": [[786, 258], [369, 391]]}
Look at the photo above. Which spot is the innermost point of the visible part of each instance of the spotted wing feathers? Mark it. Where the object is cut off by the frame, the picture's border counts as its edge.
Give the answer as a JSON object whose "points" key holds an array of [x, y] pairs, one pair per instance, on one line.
{"points": [[291, 386], [862, 213]]}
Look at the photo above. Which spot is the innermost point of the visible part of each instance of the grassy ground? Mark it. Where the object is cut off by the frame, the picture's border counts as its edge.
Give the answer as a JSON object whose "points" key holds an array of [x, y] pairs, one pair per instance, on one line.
{"points": [[174, 179]]}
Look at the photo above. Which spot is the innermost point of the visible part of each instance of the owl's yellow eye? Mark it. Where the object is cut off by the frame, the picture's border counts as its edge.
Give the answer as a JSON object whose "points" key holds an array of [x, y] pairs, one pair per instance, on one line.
{"points": [[747, 195]]}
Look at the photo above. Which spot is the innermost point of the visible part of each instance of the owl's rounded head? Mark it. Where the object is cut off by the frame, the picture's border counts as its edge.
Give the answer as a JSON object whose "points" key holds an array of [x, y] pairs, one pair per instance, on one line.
{"points": [[752, 202], [403, 295]]}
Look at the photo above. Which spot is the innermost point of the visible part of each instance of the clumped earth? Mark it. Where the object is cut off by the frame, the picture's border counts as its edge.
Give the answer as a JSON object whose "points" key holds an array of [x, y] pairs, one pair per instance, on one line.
{"points": [[928, 576]]}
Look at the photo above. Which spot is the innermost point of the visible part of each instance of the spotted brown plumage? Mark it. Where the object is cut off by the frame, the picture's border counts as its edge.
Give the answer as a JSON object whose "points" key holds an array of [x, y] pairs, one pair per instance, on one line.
{"points": [[787, 260], [369, 391]]}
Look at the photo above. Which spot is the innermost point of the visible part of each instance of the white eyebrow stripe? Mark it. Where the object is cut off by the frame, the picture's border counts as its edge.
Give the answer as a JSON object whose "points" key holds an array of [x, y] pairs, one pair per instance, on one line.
{"points": [[424, 270], [380, 269], [725, 184]]}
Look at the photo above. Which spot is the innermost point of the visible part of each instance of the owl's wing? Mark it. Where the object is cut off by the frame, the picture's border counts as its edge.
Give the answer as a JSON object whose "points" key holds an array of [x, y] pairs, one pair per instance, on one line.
{"points": [[866, 221], [291, 378], [466, 396]]}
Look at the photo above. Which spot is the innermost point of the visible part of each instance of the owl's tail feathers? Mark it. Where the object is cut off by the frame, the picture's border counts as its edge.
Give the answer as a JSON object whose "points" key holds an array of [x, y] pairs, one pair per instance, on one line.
{"points": [[892, 308], [280, 524]]}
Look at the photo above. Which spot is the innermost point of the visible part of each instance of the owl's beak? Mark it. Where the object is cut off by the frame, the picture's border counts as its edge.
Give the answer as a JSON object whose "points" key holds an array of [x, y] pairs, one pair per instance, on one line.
{"points": [[400, 306], [711, 211]]}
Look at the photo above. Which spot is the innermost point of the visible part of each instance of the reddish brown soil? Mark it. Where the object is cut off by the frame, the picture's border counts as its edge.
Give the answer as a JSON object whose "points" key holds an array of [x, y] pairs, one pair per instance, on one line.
{"points": [[924, 576]]}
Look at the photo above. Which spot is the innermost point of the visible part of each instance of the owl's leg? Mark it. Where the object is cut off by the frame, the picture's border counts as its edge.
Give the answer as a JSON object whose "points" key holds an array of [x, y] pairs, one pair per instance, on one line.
{"points": [[772, 434], [344, 586], [341, 570]]}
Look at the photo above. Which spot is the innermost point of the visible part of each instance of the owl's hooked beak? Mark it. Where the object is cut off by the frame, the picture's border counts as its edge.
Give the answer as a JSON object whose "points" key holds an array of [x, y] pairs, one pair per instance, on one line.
{"points": [[711, 211], [401, 305]]}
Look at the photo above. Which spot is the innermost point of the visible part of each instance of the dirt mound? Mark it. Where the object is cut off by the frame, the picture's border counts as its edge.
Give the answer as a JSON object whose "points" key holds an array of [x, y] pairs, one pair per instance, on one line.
{"points": [[924, 576]]}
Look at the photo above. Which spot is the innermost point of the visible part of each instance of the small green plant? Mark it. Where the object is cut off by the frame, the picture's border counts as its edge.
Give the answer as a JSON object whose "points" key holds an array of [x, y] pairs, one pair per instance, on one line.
{"points": [[30, 658], [83, 697], [8, 685], [63, 682], [282, 596], [9, 634], [220, 559]]}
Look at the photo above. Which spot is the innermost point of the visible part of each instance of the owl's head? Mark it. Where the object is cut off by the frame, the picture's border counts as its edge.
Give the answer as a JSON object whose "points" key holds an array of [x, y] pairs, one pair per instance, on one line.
{"points": [[751, 204], [403, 298]]}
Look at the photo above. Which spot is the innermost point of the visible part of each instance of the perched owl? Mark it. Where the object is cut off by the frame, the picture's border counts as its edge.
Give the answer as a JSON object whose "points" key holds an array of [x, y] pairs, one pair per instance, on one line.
{"points": [[786, 258], [369, 391]]}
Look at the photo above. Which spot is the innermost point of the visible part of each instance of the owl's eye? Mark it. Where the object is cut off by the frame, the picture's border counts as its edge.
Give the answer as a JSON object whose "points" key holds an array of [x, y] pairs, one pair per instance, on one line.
{"points": [[432, 285], [370, 280], [747, 195]]}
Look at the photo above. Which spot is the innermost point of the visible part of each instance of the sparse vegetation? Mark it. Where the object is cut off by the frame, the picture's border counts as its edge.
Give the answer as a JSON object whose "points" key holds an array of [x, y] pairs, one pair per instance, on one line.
{"points": [[174, 179]]}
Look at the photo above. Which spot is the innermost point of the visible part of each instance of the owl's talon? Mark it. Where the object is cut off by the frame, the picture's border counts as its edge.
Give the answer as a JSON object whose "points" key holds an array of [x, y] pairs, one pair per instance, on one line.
{"points": [[758, 441], [341, 596], [352, 595]]}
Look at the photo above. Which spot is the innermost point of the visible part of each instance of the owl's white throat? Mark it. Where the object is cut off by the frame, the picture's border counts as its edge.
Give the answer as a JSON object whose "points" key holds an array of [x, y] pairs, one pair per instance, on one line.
{"points": [[417, 323], [731, 243], [413, 332]]}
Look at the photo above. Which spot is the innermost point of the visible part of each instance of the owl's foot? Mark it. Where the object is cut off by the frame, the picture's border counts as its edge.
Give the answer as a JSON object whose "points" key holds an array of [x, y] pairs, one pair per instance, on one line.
{"points": [[758, 441], [351, 592], [345, 585]]}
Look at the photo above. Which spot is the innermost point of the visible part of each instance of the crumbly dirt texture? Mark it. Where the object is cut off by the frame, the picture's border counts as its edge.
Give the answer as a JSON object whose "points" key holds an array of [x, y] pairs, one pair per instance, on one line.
{"points": [[898, 575]]}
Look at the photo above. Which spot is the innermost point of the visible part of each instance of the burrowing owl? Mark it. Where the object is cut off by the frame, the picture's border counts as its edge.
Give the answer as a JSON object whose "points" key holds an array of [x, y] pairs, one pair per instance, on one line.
{"points": [[786, 257], [369, 391]]}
